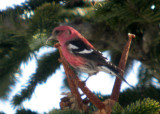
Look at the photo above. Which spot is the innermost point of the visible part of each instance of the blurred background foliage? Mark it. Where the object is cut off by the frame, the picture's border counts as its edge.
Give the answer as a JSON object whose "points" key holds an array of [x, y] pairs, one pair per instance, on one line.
{"points": [[25, 28]]}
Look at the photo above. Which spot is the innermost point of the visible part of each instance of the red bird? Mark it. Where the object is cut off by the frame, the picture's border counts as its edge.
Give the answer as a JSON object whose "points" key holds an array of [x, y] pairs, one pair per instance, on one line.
{"points": [[81, 54]]}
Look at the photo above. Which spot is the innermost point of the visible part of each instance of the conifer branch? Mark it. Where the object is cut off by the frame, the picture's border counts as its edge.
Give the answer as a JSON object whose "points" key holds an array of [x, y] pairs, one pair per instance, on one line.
{"points": [[70, 74], [122, 65]]}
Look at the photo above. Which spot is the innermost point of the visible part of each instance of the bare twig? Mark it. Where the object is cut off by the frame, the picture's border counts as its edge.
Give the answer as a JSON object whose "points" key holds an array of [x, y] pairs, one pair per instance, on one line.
{"points": [[70, 74], [122, 65]]}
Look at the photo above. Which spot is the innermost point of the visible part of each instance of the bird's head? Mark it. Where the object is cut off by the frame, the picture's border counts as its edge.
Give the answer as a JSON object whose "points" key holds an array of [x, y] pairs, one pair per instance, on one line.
{"points": [[63, 33]]}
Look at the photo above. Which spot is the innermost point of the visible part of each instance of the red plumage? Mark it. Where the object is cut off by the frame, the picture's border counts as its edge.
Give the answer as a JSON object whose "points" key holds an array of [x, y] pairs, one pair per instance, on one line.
{"points": [[63, 38], [81, 54]]}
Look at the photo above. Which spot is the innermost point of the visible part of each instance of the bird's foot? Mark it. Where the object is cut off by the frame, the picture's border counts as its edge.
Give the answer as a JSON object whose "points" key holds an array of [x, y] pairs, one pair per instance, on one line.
{"points": [[85, 80]]}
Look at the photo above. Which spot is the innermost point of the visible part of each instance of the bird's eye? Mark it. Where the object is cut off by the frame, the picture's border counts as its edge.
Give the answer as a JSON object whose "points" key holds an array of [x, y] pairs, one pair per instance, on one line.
{"points": [[57, 32]]}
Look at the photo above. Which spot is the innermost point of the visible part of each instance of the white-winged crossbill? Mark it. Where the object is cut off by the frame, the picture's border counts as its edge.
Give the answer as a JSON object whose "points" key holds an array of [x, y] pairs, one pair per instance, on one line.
{"points": [[81, 54]]}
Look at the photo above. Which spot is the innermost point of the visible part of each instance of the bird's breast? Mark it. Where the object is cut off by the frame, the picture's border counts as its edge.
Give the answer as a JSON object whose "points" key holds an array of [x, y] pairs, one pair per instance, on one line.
{"points": [[74, 61]]}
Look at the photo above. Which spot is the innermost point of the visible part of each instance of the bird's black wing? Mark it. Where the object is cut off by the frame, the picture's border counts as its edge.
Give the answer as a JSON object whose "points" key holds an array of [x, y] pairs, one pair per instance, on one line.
{"points": [[79, 48]]}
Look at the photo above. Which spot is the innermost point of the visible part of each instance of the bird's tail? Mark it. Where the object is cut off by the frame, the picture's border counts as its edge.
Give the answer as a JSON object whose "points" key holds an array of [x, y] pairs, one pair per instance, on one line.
{"points": [[113, 70]]}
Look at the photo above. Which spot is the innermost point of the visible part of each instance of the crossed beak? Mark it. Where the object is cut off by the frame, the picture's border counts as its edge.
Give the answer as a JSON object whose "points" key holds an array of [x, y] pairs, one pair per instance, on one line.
{"points": [[52, 37]]}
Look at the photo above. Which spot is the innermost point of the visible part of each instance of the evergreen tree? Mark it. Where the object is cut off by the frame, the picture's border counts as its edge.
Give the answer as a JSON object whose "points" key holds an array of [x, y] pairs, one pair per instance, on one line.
{"points": [[24, 30]]}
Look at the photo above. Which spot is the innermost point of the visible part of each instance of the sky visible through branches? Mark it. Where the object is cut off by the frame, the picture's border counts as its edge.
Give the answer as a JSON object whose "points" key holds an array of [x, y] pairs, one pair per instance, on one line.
{"points": [[47, 96]]}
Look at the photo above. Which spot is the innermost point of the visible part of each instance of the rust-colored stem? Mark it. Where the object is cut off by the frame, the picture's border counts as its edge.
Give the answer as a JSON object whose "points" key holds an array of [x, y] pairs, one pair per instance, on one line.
{"points": [[122, 65], [69, 74], [93, 99]]}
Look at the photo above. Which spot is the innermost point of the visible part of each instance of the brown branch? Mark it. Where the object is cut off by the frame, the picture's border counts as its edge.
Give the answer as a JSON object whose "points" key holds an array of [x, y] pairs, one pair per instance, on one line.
{"points": [[93, 99], [74, 80], [122, 65], [70, 74]]}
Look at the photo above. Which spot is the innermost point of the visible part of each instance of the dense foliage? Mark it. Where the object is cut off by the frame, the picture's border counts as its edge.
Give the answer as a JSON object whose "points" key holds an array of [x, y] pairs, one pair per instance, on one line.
{"points": [[24, 30]]}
